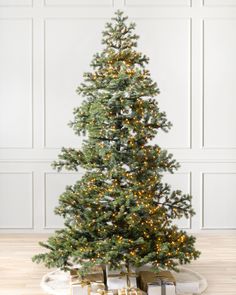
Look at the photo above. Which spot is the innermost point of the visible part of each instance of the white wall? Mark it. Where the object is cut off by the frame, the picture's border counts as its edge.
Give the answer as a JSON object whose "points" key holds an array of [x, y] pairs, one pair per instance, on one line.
{"points": [[46, 45]]}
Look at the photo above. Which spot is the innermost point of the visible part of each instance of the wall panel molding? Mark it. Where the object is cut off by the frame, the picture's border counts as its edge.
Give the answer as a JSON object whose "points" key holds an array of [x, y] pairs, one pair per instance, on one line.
{"points": [[16, 213], [185, 185], [16, 3], [218, 201], [218, 3], [219, 33], [164, 49], [54, 185], [79, 3], [16, 83], [53, 137], [160, 3]]}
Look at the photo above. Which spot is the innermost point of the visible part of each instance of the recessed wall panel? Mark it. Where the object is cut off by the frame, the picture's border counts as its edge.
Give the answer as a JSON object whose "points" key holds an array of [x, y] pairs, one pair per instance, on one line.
{"points": [[158, 2], [16, 200], [219, 202], [78, 2], [169, 50], [55, 185], [219, 91], [219, 2], [180, 181], [16, 3], [69, 48], [15, 83]]}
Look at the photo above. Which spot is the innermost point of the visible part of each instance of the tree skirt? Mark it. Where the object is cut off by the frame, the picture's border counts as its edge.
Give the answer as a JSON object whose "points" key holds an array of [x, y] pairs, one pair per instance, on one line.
{"points": [[57, 282]]}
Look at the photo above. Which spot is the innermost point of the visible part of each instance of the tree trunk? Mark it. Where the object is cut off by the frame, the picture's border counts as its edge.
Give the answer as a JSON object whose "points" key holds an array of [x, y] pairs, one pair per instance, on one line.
{"points": [[104, 270], [127, 275]]}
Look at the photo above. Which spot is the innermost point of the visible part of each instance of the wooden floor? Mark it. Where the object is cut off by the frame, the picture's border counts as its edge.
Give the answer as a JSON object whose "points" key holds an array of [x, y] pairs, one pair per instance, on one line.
{"points": [[19, 276]]}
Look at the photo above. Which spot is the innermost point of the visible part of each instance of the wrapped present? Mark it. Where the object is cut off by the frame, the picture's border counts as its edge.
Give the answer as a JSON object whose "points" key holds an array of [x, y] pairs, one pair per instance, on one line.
{"points": [[162, 283], [117, 279], [74, 273], [89, 284], [78, 289], [88, 288], [130, 291], [94, 275], [104, 292]]}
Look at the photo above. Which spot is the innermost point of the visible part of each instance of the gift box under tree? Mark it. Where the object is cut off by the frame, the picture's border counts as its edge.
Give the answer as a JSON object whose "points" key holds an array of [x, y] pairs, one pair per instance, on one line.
{"points": [[121, 278], [162, 283], [130, 291], [89, 284]]}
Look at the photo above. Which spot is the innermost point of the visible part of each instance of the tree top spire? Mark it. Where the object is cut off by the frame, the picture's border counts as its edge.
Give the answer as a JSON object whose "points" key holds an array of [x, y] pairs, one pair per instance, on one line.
{"points": [[118, 34], [119, 16]]}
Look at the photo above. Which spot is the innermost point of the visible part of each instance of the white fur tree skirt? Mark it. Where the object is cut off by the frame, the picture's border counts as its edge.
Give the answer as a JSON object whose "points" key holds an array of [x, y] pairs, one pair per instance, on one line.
{"points": [[57, 282]]}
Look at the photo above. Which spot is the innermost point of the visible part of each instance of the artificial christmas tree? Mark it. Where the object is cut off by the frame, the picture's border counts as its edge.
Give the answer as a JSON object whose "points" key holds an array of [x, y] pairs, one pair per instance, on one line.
{"points": [[120, 213]]}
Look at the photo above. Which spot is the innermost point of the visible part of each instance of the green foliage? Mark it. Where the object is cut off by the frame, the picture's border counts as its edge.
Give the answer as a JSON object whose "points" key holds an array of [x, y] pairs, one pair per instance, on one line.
{"points": [[120, 211]]}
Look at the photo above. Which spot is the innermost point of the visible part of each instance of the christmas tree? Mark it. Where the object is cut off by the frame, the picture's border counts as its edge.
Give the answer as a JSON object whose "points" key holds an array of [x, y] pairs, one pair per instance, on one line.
{"points": [[120, 213]]}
